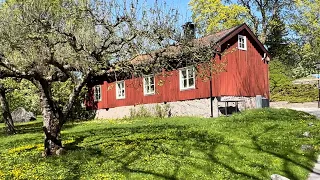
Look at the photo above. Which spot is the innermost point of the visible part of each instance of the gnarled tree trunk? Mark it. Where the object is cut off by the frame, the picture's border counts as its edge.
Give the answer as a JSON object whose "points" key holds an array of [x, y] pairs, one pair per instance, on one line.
{"points": [[6, 111], [52, 118]]}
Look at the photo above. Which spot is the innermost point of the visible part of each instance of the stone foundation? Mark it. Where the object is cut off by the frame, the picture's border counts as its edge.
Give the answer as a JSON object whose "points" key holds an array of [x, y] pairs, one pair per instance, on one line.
{"points": [[196, 107]]}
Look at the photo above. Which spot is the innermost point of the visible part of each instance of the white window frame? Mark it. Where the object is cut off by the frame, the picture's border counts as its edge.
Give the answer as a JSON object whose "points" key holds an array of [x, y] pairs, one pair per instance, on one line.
{"points": [[95, 92], [244, 43], [145, 85], [190, 68], [117, 90]]}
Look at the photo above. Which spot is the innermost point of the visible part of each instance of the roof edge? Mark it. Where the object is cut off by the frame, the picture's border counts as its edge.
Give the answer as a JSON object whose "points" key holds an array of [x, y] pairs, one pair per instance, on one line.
{"points": [[240, 28]]}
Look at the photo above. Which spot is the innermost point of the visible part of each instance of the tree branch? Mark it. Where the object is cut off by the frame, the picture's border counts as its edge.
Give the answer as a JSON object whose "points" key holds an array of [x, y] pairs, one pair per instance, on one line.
{"points": [[76, 91]]}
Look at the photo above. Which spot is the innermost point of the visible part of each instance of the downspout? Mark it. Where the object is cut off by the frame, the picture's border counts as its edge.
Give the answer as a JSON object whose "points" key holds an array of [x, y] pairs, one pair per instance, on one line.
{"points": [[211, 103]]}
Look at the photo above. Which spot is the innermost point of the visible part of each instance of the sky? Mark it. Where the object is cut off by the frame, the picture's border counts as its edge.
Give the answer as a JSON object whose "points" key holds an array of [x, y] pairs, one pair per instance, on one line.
{"points": [[181, 5]]}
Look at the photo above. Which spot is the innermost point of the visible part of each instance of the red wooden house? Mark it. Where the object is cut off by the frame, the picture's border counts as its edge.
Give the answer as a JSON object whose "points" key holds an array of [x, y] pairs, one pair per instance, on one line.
{"points": [[245, 77]]}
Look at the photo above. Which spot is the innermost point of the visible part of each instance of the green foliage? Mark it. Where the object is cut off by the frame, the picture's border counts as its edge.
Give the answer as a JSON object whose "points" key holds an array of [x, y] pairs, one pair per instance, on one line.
{"points": [[282, 89], [212, 15], [249, 145], [141, 112], [161, 111], [306, 25], [295, 93], [22, 94], [277, 42], [279, 75]]}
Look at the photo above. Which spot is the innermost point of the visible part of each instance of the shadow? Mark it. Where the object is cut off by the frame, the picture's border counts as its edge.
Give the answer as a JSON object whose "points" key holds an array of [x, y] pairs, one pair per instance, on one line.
{"points": [[229, 110], [147, 141], [35, 127], [178, 150]]}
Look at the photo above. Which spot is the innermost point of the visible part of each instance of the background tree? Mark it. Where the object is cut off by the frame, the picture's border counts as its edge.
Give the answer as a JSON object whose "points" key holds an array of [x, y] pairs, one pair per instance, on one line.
{"points": [[5, 109], [212, 15], [306, 25], [264, 15]]}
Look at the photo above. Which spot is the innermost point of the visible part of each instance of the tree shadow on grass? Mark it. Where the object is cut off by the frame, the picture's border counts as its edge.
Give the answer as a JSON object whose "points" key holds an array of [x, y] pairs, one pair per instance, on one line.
{"points": [[33, 127], [166, 151], [175, 143], [152, 143]]}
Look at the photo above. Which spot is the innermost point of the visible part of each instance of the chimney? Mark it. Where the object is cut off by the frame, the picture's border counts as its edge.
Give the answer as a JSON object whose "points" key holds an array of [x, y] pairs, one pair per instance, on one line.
{"points": [[189, 30]]}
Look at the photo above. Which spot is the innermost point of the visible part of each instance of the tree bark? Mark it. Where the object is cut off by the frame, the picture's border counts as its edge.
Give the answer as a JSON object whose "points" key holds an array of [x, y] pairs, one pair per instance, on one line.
{"points": [[54, 116], [6, 111], [52, 119]]}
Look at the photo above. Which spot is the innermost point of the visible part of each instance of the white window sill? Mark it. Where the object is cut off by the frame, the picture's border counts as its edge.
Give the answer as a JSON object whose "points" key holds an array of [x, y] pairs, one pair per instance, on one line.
{"points": [[120, 97], [189, 88], [150, 94]]}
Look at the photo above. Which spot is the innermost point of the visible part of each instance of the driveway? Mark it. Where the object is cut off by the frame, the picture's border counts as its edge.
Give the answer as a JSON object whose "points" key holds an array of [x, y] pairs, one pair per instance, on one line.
{"points": [[313, 111], [309, 107]]}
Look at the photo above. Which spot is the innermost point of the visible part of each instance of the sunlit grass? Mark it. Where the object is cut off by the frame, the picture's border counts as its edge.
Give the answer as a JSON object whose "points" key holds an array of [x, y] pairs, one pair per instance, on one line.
{"points": [[250, 145]]}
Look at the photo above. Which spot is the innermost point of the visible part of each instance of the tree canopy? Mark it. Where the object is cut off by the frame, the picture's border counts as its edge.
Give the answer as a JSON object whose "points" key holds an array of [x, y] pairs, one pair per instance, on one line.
{"points": [[70, 44]]}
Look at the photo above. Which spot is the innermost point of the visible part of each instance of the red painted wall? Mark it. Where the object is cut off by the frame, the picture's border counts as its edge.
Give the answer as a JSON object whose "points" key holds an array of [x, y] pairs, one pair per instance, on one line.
{"points": [[246, 75]]}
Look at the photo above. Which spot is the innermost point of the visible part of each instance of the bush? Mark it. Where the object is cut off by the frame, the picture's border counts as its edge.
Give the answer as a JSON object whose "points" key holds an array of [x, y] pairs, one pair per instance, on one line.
{"points": [[282, 89], [142, 112], [295, 93], [278, 75], [161, 111]]}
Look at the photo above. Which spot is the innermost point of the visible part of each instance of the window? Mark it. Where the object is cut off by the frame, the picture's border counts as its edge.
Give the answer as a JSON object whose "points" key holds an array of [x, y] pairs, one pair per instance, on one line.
{"points": [[148, 85], [242, 42], [187, 78], [120, 90], [97, 93]]}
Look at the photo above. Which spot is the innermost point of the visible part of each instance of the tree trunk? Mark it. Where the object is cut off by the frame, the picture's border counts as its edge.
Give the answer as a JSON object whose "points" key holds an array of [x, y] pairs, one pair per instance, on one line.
{"points": [[51, 121], [6, 111]]}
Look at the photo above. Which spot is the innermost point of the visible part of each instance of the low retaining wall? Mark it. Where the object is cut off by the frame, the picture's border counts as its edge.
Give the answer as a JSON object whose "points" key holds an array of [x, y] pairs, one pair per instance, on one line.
{"points": [[196, 107]]}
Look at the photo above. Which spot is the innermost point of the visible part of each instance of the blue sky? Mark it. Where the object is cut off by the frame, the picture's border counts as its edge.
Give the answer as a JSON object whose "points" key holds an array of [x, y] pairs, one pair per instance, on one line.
{"points": [[181, 5]]}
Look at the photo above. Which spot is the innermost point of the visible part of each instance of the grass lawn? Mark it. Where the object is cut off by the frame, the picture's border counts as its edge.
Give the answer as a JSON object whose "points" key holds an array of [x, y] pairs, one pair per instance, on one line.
{"points": [[250, 145]]}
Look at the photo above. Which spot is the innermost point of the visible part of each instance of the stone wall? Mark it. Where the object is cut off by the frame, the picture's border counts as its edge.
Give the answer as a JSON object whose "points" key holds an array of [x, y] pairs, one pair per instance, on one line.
{"points": [[197, 107]]}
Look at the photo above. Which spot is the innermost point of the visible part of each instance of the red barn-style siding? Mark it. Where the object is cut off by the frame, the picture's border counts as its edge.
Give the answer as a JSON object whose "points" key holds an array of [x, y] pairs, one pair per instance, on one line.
{"points": [[246, 75]]}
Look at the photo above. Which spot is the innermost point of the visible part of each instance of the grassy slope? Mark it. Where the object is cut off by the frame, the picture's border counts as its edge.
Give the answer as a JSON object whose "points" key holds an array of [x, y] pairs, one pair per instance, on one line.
{"points": [[251, 145]]}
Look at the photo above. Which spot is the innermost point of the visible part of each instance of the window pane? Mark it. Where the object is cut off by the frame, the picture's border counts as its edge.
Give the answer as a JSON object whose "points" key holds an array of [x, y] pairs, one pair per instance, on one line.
{"points": [[191, 82], [185, 83], [152, 88], [190, 73], [184, 74], [151, 80]]}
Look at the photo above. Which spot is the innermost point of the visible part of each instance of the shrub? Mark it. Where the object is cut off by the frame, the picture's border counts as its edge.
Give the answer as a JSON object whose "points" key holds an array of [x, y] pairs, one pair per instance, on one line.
{"points": [[282, 89], [140, 113], [161, 111], [295, 93]]}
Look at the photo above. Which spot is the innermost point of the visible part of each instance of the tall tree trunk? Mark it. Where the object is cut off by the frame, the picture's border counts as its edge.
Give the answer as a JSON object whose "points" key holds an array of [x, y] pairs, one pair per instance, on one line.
{"points": [[52, 119], [53, 116], [6, 111]]}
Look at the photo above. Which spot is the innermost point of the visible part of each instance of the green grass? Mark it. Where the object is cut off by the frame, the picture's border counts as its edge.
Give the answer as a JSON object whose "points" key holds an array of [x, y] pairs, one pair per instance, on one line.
{"points": [[250, 145]]}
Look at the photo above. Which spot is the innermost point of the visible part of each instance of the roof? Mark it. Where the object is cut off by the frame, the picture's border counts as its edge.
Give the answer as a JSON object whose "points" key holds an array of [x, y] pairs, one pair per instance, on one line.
{"points": [[217, 38], [214, 38]]}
